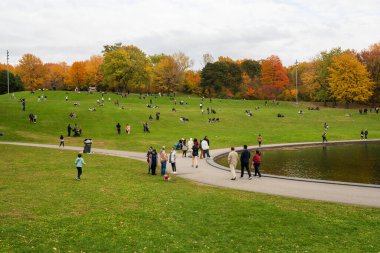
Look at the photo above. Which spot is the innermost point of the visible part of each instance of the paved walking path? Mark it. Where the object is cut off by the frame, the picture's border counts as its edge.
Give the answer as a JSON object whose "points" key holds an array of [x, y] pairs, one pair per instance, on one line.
{"points": [[211, 174]]}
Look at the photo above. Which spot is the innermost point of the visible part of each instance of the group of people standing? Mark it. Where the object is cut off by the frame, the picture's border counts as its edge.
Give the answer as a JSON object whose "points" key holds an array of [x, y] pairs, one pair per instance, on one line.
{"points": [[153, 158], [245, 159]]}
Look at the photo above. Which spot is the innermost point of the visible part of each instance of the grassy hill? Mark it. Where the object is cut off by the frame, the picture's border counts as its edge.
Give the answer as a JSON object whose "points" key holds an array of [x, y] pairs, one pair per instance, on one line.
{"points": [[234, 128]]}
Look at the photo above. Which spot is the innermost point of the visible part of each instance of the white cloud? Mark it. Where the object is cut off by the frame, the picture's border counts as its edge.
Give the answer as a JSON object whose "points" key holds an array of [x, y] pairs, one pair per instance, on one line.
{"points": [[70, 30]]}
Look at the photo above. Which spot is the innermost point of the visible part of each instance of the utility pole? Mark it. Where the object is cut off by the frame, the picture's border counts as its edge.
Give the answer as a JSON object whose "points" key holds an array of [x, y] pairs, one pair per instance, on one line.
{"points": [[296, 82], [8, 70]]}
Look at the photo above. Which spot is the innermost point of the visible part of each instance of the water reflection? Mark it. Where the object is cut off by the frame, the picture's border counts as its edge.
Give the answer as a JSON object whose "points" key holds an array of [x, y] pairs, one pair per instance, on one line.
{"points": [[359, 163]]}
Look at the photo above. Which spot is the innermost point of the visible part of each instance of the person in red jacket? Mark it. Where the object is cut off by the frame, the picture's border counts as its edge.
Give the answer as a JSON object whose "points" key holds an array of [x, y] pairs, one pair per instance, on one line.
{"points": [[256, 161]]}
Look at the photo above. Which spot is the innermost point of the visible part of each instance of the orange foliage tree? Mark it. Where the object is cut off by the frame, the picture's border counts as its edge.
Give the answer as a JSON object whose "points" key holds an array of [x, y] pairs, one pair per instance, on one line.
{"points": [[77, 75], [32, 71], [94, 71], [56, 75], [273, 77]]}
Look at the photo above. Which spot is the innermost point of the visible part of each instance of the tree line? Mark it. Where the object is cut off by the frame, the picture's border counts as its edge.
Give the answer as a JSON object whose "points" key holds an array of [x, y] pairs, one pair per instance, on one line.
{"points": [[336, 75]]}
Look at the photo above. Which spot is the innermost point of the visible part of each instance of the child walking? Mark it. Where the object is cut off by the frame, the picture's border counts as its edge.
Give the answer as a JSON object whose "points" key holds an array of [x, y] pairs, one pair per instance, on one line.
{"points": [[62, 141], [79, 164]]}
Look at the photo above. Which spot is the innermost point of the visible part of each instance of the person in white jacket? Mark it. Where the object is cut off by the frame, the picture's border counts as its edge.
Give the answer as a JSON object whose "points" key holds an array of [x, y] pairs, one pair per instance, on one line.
{"points": [[205, 148], [190, 145], [172, 159]]}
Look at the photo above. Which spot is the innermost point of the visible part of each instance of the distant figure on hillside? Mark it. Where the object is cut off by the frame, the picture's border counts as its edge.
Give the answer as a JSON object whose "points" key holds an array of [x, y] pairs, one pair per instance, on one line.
{"points": [[256, 161], [67, 98], [118, 127], [362, 134], [69, 130], [365, 134], [325, 126], [157, 116], [280, 115], [128, 129], [146, 127], [79, 164], [62, 141], [150, 118], [184, 148], [23, 104], [232, 162], [259, 140], [324, 139], [244, 161]]}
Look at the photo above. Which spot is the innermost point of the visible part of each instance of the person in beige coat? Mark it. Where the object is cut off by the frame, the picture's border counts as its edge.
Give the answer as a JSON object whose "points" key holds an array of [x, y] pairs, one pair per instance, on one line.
{"points": [[232, 162]]}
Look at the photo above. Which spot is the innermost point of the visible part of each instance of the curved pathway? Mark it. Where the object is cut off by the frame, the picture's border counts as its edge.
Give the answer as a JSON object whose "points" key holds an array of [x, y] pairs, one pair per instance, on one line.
{"points": [[211, 174]]}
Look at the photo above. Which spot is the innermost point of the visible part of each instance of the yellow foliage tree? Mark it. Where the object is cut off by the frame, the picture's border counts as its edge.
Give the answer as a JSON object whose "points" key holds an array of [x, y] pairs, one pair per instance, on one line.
{"points": [[77, 75], [32, 71], [349, 79]]}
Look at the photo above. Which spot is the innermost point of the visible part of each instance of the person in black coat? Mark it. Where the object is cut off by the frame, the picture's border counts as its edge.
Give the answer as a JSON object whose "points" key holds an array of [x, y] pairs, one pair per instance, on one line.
{"points": [[69, 130], [153, 161], [244, 161]]}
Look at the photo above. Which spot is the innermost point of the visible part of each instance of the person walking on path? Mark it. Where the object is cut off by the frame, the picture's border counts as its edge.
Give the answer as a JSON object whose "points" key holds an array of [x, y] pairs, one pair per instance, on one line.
{"points": [[195, 153], [153, 161], [118, 127], [190, 144], [324, 139], [69, 128], [256, 161], [62, 141], [172, 160], [184, 148], [365, 134], [79, 164], [259, 140], [163, 160], [232, 162], [205, 148], [245, 157]]}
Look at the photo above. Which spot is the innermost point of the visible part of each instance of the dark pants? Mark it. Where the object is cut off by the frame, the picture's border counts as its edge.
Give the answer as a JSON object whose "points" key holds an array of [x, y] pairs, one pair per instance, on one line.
{"points": [[118, 131], [257, 171], [246, 166], [174, 167], [206, 152], [79, 172], [62, 143], [153, 168], [68, 132], [184, 153]]}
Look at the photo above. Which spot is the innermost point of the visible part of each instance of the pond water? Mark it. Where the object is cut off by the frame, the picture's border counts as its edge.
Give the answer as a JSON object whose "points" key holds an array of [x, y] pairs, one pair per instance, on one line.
{"points": [[358, 163]]}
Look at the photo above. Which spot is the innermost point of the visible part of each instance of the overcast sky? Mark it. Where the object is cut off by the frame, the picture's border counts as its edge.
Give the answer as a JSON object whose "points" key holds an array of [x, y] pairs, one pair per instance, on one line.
{"points": [[73, 30]]}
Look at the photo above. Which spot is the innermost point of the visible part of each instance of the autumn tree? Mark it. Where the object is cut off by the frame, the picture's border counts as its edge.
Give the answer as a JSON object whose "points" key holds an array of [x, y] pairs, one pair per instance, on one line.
{"points": [[166, 74], [94, 71], [192, 82], [31, 70], [274, 77], [371, 59], [77, 75], [56, 75], [349, 79], [125, 67]]}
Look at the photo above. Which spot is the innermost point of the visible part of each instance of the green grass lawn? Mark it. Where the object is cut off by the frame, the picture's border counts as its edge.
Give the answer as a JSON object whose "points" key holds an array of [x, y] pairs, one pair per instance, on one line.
{"points": [[235, 128], [117, 207]]}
